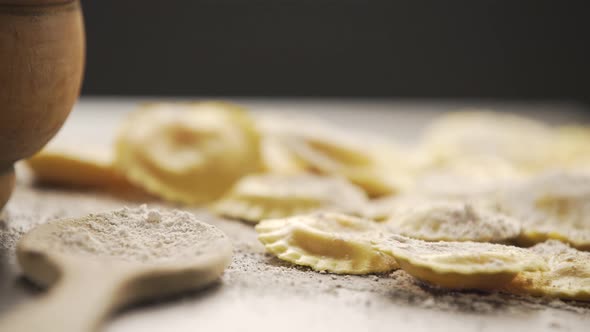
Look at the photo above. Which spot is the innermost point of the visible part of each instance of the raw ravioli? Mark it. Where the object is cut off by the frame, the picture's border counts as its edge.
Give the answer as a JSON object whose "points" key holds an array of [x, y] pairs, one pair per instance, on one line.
{"points": [[77, 166], [521, 141], [572, 148], [554, 205], [331, 242], [277, 159], [460, 265], [568, 276], [466, 178], [384, 208], [264, 196], [454, 221], [313, 146], [188, 152]]}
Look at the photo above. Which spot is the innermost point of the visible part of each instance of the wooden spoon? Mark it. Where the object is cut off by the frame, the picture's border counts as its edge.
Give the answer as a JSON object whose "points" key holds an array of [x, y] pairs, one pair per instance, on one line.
{"points": [[101, 262]]}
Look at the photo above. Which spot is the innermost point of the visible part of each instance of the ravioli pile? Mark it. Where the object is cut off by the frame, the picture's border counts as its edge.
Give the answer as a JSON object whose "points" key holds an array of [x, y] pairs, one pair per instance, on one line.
{"points": [[487, 201]]}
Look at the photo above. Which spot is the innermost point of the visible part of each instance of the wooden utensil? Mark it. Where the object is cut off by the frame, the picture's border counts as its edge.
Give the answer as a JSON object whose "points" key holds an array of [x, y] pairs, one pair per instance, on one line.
{"points": [[41, 65], [89, 286]]}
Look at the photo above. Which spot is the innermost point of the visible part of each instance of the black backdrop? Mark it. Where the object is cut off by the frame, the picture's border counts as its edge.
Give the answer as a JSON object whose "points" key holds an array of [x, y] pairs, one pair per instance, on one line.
{"points": [[473, 48]]}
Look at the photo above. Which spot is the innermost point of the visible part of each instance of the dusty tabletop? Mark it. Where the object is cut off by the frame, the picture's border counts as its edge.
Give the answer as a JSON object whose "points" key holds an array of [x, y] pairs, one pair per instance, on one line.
{"points": [[261, 293], [258, 291]]}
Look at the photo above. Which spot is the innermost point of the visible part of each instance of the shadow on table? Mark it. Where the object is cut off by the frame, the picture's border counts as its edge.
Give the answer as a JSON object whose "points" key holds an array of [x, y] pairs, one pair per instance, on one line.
{"points": [[130, 195], [416, 293], [400, 288], [14, 289], [196, 295]]}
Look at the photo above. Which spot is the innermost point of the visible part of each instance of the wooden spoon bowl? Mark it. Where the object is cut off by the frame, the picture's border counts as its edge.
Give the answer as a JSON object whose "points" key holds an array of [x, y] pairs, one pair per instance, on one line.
{"points": [[93, 267], [41, 66]]}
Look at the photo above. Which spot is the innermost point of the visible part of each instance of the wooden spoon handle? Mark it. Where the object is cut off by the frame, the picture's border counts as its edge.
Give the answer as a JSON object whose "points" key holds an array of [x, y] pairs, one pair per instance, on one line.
{"points": [[77, 303]]}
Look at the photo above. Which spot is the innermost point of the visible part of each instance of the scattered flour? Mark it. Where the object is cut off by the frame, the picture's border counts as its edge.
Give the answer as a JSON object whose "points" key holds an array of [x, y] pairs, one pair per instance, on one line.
{"points": [[252, 271], [153, 216]]}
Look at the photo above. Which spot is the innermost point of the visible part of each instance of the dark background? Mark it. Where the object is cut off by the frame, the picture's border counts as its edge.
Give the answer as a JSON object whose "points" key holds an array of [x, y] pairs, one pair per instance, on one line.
{"points": [[386, 48]]}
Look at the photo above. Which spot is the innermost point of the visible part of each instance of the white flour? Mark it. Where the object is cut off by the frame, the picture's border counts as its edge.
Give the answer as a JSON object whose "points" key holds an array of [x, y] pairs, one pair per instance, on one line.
{"points": [[454, 221], [138, 234], [254, 272]]}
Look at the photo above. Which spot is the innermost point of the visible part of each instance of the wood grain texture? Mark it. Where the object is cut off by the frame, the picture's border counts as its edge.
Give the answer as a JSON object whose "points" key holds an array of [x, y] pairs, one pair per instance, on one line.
{"points": [[41, 65]]}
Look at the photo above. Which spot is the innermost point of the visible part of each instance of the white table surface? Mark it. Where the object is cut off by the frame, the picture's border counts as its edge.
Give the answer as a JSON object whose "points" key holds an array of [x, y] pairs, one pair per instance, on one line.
{"points": [[259, 293]]}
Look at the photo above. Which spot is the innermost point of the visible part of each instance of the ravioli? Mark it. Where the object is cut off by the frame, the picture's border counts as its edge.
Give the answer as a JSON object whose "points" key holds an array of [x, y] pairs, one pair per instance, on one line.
{"points": [[309, 145], [568, 276], [264, 196], [466, 177], [454, 221], [366, 166], [572, 148], [188, 152], [277, 159], [520, 141], [554, 205], [332, 242], [460, 265], [383, 208], [77, 166]]}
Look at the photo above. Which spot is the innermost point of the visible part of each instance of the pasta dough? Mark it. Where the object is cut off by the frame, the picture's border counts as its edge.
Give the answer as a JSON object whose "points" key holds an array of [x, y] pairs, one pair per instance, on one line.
{"points": [[554, 205], [189, 153], [460, 265], [277, 159], [309, 145], [572, 148], [568, 276], [466, 178], [265, 196], [81, 166], [384, 208], [521, 141], [454, 221], [330, 242]]}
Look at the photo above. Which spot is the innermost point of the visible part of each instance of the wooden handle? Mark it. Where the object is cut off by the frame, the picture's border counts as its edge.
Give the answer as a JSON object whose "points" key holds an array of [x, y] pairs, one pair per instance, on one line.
{"points": [[6, 185], [78, 303]]}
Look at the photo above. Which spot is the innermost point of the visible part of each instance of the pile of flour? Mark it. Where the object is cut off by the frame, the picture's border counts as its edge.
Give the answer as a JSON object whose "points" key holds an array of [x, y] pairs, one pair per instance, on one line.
{"points": [[138, 234]]}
